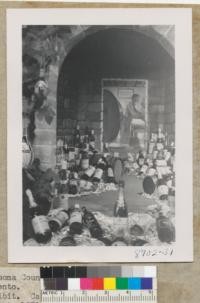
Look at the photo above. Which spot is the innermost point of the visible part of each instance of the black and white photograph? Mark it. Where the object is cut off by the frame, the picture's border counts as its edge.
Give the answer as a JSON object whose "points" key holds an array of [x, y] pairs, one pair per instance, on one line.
{"points": [[99, 136]]}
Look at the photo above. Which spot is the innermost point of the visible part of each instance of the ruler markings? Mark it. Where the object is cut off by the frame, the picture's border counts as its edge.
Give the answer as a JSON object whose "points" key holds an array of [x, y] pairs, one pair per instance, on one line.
{"points": [[134, 296]]}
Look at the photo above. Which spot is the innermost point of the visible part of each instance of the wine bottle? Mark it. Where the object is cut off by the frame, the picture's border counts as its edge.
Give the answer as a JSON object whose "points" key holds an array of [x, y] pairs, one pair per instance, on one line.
{"points": [[86, 143], [151, 171], [71, 153], [85, 161], [98, 173], [106, 147], [106, 241], [59, 151], [155, 153], [141, 159], [78, 162], [136, 230], [76, 220], [94, 158], [81, 143], [87, 175], [73, 184], [139, 242], [67, 241], [39, 222], [35, 169], [63, 174], [61, 217], [135, 166], [149, 183], [76, 135], [110, 175], [63, 186], [126, 166], [87, 131], [168, 157], [163, 190], [120, 209], [149, 162], [27, 152], [92, 224], [58, 220], [32, 204], [63, 169], [92, 140], [130, 157], [165, 229], [119, 242], [143, 169], [92, 136], [103, 162], [76, 151], [151, 145], [160, 155], [171, 199], [77, 140], [161, 134], [160, 144]]}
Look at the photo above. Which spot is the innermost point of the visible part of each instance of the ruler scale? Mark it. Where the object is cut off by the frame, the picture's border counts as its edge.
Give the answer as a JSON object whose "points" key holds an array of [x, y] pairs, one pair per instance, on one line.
{"points": [[98, 297], [99, 284]]}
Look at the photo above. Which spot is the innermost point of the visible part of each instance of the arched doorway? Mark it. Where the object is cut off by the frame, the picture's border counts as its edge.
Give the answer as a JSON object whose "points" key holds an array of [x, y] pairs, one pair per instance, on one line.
{"points": [[113, 52]]}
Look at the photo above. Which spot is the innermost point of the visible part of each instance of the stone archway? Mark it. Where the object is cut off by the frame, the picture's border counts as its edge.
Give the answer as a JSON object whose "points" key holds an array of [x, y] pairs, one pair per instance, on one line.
{"points": [[45, 134], [159, 33], [66, 75]]}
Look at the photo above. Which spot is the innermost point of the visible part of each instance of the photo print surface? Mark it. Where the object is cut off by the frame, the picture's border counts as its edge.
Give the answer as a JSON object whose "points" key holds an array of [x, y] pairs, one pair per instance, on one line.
{"points": [[99, 139]]}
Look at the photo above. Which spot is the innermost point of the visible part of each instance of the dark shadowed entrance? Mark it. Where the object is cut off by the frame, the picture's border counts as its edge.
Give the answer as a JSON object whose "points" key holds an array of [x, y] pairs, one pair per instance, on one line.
{"points": [[112, 53]]}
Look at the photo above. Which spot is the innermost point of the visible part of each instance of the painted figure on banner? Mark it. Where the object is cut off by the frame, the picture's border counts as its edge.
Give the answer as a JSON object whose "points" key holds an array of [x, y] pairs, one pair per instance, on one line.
{"points": [[135, 121]]}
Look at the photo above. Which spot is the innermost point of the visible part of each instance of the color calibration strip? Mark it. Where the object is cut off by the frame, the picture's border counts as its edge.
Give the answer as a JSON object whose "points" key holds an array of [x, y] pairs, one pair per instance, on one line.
{"points": [[98, 284], [98, 278], [111, 283]]}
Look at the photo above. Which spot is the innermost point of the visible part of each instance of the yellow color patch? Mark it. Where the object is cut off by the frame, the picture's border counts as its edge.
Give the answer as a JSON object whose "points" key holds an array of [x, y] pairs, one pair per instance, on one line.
{"points": [[109, 283]]}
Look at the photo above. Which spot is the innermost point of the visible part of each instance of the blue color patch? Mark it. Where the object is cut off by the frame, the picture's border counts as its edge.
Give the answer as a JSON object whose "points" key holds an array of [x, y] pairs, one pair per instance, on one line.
{"points": [[134, 283], [146, 283]]}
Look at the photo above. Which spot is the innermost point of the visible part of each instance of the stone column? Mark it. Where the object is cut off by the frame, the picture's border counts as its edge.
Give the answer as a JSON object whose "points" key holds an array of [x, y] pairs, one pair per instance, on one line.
{"points": [[44, 144]]}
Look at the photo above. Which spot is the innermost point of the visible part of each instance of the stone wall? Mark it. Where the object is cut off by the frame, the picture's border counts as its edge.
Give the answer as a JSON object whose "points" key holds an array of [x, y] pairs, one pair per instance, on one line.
{"points": [[156, 93], [44, 144], [162, 105], [87, 112], [170, 107]]}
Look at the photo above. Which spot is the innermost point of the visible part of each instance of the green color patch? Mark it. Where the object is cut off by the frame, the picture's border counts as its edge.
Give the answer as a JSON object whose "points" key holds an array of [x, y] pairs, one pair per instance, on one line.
{"points": [[122, 283]]}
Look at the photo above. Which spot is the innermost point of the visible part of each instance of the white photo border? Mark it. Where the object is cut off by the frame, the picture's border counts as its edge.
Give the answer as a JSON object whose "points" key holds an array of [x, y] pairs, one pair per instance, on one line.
{"points": [[182, 250]]}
